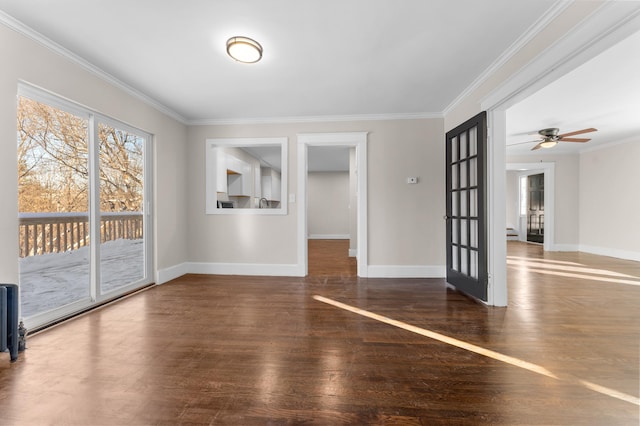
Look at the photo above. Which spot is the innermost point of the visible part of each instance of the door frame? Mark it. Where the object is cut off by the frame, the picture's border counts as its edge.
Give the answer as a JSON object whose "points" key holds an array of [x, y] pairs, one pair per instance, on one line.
{"points": [[608, 25], [548, 169], [358, 140]]}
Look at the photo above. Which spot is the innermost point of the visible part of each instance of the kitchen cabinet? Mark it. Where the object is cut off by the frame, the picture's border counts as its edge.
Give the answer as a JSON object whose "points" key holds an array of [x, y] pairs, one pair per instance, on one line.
{"points": [[220, 159], [239, 177], [271, 184]]}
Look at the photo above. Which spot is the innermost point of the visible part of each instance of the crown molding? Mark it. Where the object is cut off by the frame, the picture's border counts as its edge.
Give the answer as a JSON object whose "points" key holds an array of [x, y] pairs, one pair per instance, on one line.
{"points": [[610, 23], [552, 13], [316, 119], [22, 29]]}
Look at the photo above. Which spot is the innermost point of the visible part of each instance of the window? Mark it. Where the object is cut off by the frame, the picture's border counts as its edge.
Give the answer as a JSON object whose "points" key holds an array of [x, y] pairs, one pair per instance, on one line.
{"points": [[523, 196]]}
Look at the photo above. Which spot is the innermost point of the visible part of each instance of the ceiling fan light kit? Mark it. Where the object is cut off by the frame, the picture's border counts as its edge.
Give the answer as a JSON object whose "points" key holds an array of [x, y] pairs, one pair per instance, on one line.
{"points": [[548, 144]]}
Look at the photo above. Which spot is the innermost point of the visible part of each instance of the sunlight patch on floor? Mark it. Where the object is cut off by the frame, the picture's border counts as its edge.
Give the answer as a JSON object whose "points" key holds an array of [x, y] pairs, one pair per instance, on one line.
{"points": [[581, 269], [635, 281], [559, 262], [481, 351]]}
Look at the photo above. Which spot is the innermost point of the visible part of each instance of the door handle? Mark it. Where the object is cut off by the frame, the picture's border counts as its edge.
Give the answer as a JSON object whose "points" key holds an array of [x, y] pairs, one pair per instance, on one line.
{"points": [[445, 217]]}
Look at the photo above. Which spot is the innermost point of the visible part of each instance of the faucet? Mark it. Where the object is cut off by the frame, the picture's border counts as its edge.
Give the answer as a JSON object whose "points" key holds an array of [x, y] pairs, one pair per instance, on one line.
{"points": [[266, 203]]}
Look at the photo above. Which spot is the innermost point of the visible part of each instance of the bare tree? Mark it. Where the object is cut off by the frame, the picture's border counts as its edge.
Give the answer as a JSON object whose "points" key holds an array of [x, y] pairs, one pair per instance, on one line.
{"points": [[121, 170], [53, 167]]}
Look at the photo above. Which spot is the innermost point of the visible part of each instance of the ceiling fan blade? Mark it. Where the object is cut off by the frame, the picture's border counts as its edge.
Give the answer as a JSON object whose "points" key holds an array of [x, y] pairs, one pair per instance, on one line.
{"points": [[537, 147], [522, 143], [578, 132], [574, 139]]}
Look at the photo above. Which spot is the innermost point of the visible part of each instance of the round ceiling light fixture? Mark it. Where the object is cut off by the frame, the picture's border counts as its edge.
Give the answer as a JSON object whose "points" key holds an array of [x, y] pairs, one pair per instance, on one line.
{"points": [[244, 49], [548, 143]]}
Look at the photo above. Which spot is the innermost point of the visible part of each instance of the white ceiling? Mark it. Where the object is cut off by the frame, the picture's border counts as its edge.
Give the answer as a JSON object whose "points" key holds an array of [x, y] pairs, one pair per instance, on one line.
{"points": [[332, 59], [322, 58], [604, 93]]}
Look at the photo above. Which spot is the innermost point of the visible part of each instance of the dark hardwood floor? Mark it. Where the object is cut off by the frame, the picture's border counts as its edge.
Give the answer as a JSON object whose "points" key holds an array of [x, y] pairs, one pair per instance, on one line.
{"points": [[262, 350], [330, 258]]}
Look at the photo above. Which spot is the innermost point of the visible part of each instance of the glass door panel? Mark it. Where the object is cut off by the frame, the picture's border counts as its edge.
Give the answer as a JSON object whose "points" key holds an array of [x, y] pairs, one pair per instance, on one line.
{"points": [[121, 169], [53, 202]]}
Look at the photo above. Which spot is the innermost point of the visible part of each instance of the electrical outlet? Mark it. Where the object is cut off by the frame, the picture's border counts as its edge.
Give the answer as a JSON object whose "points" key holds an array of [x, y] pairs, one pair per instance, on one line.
{"points": [[412, 180]]}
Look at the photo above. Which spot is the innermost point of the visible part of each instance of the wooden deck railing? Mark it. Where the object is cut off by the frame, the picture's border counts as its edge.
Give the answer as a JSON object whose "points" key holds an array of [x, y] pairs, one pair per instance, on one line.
{"points": [[42, 233]]}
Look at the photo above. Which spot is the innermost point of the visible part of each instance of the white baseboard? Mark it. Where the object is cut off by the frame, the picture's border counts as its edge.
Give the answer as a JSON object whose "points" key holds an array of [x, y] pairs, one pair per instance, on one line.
{"points": [[407, 271], [171, 273], [353, 252], [292, 270], [604, 251], [329, 236], [272, 270], [565, 247]]}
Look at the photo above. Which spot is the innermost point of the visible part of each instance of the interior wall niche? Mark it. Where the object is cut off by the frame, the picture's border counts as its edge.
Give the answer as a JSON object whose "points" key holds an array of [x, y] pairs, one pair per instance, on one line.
{"points": [[246, 176]]}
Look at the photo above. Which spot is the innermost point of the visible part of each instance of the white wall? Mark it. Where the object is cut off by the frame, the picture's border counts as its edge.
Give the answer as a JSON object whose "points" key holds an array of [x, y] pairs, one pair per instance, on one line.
{"points": [[328, 206], [405, 221], [610, 201], [26, 60]]}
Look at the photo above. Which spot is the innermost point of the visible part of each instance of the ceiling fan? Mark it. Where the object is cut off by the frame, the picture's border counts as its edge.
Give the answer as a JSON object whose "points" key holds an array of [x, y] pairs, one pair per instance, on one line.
{"points": [[550, 137]]}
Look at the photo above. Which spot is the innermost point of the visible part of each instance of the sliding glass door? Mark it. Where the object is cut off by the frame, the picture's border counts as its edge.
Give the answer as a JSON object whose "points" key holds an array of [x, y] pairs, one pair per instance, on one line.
{"points": [[82, 193], [121, 166]]}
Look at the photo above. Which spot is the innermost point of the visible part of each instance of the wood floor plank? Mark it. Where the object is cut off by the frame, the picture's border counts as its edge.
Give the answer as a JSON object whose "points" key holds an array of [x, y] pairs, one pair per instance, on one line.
{"points": [[249, 350]]}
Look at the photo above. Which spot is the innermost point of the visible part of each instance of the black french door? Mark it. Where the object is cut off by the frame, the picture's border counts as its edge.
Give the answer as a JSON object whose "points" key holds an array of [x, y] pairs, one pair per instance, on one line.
{"points": [[535, 212], [466, 148]]}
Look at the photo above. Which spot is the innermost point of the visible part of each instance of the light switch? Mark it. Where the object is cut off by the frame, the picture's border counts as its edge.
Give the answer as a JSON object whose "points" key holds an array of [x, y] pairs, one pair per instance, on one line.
{"points": [[292, 198]]}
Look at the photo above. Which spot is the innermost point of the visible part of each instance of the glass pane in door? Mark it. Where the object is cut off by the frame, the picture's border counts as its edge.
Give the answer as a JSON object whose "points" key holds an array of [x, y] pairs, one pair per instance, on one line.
{"points": [[121, 169], [53, 201]]}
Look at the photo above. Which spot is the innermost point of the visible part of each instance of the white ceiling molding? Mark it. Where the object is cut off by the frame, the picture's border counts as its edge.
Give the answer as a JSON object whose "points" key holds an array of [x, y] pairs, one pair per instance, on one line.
{"points": [[607, 25], [24, 30], [317, 119], [525, 38]]}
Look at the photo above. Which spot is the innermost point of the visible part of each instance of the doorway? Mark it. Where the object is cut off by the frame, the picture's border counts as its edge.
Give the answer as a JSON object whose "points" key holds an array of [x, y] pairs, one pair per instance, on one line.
{"points": [[331, 210], [357, 141], [587, 41], [535, 208], [517, 199]]}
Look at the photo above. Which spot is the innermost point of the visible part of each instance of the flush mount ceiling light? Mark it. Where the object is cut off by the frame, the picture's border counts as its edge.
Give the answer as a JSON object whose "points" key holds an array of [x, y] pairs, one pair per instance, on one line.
{"points": [[244, 49]]}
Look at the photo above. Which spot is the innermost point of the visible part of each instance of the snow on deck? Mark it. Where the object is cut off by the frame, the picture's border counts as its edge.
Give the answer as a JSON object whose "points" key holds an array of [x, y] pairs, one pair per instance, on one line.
{"points": [[53, 280]]}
